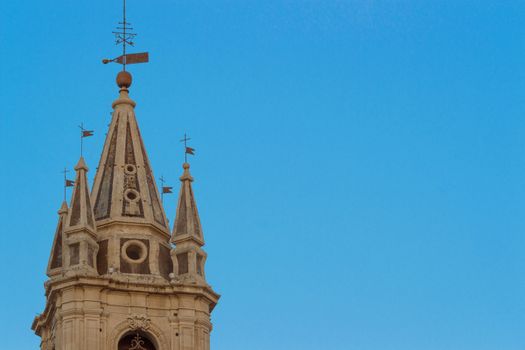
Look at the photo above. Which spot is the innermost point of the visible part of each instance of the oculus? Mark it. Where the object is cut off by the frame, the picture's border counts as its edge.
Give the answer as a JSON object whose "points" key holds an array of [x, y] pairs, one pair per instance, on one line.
{"points": [[130, 169], [132, 195], [134, 251]]}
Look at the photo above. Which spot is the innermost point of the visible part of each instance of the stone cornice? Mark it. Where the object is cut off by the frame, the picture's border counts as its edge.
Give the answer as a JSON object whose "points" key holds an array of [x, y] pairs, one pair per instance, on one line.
{"points": [[115, 224], [103, 282], [130, 285]]}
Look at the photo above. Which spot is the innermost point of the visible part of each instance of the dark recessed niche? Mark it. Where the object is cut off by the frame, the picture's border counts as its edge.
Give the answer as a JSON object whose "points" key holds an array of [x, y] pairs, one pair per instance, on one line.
{"points": [[131, 195], [134, 252], [138, 340]]}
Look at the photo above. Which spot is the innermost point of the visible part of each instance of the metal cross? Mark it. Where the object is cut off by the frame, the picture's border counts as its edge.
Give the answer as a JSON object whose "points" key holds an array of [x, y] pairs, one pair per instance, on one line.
{"points": [[81, 126], [162, 181], [185, 140], [123, 35], [65, 171], [83, 133]]}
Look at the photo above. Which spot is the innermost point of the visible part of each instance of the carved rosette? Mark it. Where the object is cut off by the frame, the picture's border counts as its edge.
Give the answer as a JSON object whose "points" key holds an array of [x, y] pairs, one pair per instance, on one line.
{"points": [[139, 322]]}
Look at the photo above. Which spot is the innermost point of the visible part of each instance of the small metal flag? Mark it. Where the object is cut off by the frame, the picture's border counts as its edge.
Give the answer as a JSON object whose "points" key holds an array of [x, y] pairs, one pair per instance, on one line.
{"points": [[69, 183], [83, 134], [165, 189], [87, 133], [188, 150]]}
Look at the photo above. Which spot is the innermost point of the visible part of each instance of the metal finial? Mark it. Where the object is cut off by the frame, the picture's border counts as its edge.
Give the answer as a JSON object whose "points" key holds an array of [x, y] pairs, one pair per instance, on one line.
{"points": [[83, 134], [164, 189], [125, 36], [187, 150], [66, 181]]}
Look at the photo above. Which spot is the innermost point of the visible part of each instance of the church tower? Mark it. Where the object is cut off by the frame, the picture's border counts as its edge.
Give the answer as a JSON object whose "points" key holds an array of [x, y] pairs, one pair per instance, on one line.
{"points": [[119, 278]]}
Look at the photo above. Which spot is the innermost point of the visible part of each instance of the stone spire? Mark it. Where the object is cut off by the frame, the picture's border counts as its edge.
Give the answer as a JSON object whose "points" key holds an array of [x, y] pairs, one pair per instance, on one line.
{"points": [[187, 256], [187, 222], [56, 260], [80, 232], [124, 190], [81, 214]]}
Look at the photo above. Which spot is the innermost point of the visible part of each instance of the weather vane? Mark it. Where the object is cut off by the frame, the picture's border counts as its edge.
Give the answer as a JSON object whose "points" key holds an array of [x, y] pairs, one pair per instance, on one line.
{"points": [[165, 189], [124, 35], [67, 183], [83, 134], [187, 150]]}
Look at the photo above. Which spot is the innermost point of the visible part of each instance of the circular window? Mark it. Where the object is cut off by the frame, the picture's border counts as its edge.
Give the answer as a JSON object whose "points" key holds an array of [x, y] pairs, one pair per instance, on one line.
{"points": [[130, 169], [134, 251], [131, 195]]}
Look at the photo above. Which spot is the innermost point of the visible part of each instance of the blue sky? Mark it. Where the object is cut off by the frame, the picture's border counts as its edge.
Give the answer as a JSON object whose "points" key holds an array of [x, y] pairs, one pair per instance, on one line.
{"points": [[359, 169]]}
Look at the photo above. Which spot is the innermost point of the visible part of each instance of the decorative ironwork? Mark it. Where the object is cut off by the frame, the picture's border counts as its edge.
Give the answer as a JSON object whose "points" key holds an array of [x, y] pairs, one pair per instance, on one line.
{"points": [[125, 36], [137, 343]]}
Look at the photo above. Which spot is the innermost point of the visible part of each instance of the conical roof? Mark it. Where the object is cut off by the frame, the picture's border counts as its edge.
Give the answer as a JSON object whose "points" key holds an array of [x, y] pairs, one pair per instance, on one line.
{"points": [[124, 189], [187, 222], [56, 259], [80, 215]]}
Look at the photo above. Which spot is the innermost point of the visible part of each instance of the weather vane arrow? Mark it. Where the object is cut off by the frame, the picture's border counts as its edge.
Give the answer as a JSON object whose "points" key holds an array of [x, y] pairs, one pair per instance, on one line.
{"points": [[130, 58]]}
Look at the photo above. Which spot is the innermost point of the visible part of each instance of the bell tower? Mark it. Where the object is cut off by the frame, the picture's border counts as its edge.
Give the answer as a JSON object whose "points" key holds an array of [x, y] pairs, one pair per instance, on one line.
{"points": [[119, 278]]}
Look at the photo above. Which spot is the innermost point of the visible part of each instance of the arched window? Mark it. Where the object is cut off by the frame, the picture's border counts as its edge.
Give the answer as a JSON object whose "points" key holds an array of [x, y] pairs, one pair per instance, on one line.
{"points": [[135, 341]]}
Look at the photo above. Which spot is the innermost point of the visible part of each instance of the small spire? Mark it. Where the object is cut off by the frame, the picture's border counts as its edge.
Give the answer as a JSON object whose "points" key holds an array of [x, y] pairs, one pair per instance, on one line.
{"points": [[188, 257], [80, 233], [187, 222], [56, 259], [63, 209], [81, 165], [81, 212]]}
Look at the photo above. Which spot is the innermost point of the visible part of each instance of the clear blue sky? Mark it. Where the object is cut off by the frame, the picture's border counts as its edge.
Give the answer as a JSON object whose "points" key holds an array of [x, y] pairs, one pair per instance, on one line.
{"points": [[360, 164]]}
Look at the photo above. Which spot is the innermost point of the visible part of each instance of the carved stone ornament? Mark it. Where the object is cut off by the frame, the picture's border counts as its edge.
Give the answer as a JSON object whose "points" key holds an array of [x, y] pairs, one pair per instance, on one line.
{"points": [[139, 322]]}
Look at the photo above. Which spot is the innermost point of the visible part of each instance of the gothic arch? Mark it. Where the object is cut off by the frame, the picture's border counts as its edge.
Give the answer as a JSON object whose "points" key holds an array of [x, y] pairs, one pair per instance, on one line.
{"points": [[155, 334]]}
